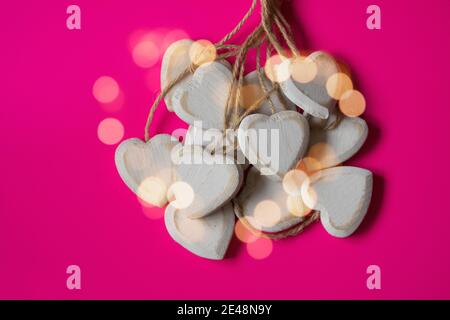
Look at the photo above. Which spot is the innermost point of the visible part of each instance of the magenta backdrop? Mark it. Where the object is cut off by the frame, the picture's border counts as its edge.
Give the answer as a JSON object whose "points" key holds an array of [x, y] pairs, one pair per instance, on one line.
{"points": [[62, 201]]}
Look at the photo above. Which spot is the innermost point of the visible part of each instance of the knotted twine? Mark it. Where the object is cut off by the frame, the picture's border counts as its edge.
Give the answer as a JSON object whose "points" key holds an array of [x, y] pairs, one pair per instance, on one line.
{"points": [[272, 24]]}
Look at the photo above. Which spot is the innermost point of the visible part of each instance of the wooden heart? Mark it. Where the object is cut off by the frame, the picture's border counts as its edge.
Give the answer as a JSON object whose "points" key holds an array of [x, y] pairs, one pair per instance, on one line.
{"points": [[274, 144], [176, 59], [312, 96], [213, 179], [331, 147], [342, 195], [251, 92], [146, 168], [204, 99], [266, 205], [206, 237]]}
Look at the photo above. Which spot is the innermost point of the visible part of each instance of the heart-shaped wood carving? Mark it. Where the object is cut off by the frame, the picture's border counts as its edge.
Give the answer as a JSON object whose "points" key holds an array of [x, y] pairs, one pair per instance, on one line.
{"points": [[266, 205], [212, 180], [274, 144], [204, 99], [176, 59], [333, 146], [207, 237], [251, 92], [312, 96], [342, 195], [146, 168]]}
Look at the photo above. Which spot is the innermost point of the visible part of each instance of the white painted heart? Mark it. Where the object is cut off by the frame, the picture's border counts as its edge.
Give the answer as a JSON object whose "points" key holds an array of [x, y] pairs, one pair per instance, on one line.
{"points": [[266, 205], [204, 99], [274, 144], [206, 237], [342, 195], [210, 180], [331, 147], [175, 61], [251, 92], [146, 168], [311, 96]]}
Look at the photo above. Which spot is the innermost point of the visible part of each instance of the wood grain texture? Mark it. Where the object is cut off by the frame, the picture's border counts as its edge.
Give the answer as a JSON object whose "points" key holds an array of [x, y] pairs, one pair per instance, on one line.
{"points": [[282, 153], [264, 203], [312, 96], [342, 195], [252, 92], [175, 60], [207, 237], [205, 97], [146, 168], [214, 179], [334, 146]]}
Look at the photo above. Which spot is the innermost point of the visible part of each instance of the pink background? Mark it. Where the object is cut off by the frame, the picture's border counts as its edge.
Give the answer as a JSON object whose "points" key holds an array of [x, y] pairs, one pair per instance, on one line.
{"points": [[62, 201]]}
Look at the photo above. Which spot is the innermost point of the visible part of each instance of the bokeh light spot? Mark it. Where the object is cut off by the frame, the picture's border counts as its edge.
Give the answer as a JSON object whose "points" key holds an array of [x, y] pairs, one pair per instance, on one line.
{"points": [[145, 53], [180, 194], [110, 131], [152, 191], [309, 195], [293, 180], [244, 234], [303, 69], [277, 68], [267, 213], [260, 249], [202, 51], [309, 165], [105, 89], [297, 207], [352, 103], [337, 84]]}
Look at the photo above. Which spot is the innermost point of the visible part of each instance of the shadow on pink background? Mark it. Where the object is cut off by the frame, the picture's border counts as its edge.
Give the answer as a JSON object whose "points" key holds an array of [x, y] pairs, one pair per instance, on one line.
{"points": [[62, 201]]}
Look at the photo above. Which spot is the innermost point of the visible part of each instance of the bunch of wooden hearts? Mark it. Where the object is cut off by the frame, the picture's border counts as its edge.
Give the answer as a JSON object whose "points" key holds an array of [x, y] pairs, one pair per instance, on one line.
{"points": [[204, 224]]}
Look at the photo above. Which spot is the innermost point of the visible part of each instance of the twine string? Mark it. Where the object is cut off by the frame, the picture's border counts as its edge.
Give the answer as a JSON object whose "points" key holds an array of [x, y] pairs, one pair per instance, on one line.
{"points": [[286, 31], [254, 41], [261, 78], [238, 27], [230, 112], [220, 45], [287, 37], [266, 20], [269, 13], [264, 33]]}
